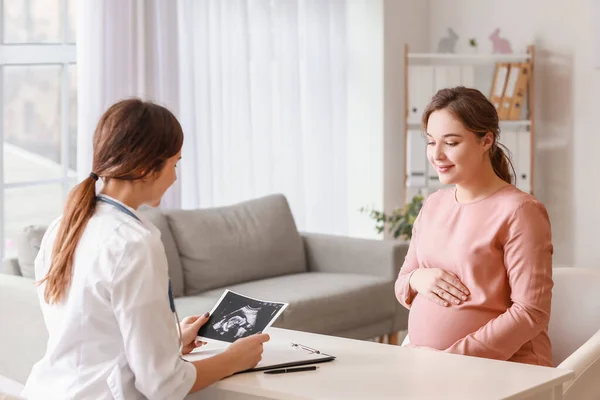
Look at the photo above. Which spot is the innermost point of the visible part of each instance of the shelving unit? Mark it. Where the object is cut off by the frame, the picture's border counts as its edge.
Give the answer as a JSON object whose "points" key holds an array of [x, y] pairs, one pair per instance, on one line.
{"points": [[424, 74]]}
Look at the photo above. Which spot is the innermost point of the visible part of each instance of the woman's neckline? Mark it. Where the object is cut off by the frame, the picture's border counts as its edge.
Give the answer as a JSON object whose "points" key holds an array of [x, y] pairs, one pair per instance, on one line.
{"points": [[467, 203]]}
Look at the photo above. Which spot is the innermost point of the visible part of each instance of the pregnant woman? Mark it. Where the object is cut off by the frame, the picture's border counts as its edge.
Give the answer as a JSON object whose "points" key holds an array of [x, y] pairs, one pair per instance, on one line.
{"points": [[477, 277]]}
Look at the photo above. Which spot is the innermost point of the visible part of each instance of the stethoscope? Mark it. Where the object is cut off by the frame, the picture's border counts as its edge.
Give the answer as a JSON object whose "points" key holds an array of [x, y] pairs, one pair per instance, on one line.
{"points": [[124, 209]]}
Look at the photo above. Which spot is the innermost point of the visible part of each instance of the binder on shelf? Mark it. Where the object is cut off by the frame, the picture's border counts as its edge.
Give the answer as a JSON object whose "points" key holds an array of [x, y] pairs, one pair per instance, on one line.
{"points": [[509, 140], [416, 159], [518, 144], [446, 76], [467, 76], [514, 93], [499, 84], [523, 165], [434, 180], [275, 355], [420, 91], [520, 90]]}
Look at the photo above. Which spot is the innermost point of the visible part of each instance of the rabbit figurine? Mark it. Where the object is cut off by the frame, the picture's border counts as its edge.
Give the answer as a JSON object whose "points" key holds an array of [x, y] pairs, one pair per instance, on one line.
{"points": [[500, 45], [446, 44]]}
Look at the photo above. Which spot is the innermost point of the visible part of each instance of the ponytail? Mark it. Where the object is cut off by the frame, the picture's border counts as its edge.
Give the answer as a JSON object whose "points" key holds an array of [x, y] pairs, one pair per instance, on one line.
{"points": [[80, 207], [501, 163], [133, 139]]}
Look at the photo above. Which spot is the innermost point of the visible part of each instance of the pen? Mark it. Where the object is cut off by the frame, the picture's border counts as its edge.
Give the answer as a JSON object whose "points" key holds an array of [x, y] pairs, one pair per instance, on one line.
{"points": [[285, 370]]}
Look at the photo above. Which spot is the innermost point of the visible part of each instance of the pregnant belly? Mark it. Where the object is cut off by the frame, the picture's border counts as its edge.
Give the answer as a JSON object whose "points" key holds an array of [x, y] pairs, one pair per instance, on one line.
{"points": [[438, 327]]}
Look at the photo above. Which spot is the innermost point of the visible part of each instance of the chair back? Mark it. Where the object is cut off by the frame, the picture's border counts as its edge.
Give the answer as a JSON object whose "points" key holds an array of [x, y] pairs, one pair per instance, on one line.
{"points": [[575, 315]]}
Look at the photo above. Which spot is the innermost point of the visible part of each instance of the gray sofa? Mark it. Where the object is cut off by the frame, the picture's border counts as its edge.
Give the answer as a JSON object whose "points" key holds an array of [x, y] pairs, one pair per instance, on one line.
{"points": [[334, 285]]}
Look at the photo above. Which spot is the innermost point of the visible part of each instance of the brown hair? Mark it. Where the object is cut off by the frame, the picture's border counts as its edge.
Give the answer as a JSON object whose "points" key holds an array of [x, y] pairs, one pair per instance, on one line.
{"points": [[133, 140], [479, 116]]}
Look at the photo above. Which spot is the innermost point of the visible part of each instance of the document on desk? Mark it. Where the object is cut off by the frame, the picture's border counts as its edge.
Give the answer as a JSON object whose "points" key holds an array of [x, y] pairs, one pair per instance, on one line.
{"points": [[275, 355]]}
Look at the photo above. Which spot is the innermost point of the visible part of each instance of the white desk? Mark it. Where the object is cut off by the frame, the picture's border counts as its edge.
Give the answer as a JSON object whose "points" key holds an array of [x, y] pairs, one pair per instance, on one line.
{"points": [[367, 370]]}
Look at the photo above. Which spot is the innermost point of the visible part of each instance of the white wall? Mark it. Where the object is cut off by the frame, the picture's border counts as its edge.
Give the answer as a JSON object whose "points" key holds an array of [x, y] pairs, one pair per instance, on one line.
{"points": [[365, 112], [566, 90], [405, 22], [377, 31]]}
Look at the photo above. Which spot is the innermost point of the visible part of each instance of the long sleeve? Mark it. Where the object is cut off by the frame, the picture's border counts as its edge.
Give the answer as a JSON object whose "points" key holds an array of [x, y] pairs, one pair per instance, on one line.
{"points": [[404, 294], [141, 306], [528, 260]]}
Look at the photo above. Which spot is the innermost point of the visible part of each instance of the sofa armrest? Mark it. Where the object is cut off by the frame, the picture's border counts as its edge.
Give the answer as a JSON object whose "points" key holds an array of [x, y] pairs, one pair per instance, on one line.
{"points": [[585, 362], [10, 266], [341, 254], [24, 343]]}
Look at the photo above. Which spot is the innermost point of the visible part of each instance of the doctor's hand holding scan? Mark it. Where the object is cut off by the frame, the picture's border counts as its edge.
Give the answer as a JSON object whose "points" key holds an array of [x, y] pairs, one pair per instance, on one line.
{"points": [[102, 277]]}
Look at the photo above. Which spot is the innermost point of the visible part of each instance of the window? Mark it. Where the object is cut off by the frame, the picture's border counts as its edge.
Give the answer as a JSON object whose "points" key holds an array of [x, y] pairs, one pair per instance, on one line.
{"points": [[38, 110]]}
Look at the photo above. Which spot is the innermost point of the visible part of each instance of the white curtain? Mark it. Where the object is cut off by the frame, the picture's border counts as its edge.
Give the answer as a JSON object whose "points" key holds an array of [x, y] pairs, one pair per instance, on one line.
{"points": [[125, 48], [263, 105], [259, 86]]}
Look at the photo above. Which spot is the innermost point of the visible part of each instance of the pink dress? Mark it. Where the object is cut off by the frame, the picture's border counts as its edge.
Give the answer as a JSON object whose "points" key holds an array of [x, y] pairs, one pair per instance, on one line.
{"points": [[501, 249]]}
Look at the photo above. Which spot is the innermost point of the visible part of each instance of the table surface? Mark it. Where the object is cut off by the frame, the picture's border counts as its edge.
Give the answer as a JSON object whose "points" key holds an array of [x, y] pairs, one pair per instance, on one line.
{"points": [[364, 370]]}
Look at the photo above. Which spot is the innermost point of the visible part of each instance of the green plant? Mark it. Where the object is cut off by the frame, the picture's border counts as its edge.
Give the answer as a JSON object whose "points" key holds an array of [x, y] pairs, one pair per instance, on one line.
{"points": [[400, 221]]}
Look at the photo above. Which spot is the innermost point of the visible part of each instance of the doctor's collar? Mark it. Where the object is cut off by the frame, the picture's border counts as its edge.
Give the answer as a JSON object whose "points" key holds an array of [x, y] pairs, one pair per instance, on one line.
{"points": [[119, 202]]}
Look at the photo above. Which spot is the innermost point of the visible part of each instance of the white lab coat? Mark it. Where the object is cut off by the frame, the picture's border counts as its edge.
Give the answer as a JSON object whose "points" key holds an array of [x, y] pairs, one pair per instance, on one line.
{"points": [[113, 336]]}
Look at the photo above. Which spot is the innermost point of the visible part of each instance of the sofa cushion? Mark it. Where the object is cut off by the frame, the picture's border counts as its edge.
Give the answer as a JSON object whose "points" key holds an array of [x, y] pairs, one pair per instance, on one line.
{"points": [[10, 266], [319, 302], [223, 246], [28, 246], [156, 217]]}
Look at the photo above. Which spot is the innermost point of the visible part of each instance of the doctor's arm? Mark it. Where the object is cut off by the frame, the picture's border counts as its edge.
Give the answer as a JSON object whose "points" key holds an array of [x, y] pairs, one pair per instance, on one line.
{"points": [[140, 302], [528, 260]]}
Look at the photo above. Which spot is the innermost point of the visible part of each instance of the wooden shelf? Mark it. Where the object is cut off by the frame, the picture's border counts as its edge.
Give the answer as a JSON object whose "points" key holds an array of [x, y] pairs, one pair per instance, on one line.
{"points": [[523, 122], [467, 56], [503, 124]]}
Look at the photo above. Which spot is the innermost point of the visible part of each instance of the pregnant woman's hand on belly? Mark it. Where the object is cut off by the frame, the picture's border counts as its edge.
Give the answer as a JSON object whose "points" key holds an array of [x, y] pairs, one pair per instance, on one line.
{"points": [[438, 285]]}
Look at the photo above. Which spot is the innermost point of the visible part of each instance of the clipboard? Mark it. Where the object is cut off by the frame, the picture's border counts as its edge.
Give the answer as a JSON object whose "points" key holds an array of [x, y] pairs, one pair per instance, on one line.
{"points": [[275, 355]]}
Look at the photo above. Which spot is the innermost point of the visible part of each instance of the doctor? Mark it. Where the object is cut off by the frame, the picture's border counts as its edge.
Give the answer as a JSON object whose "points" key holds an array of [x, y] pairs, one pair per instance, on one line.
{"points": [[104, 287]]}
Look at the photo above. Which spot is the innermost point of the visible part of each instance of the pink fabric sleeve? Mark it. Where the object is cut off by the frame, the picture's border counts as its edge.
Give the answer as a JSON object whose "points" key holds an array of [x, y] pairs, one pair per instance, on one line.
{"points": [[404, 294], [528, 260]]}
